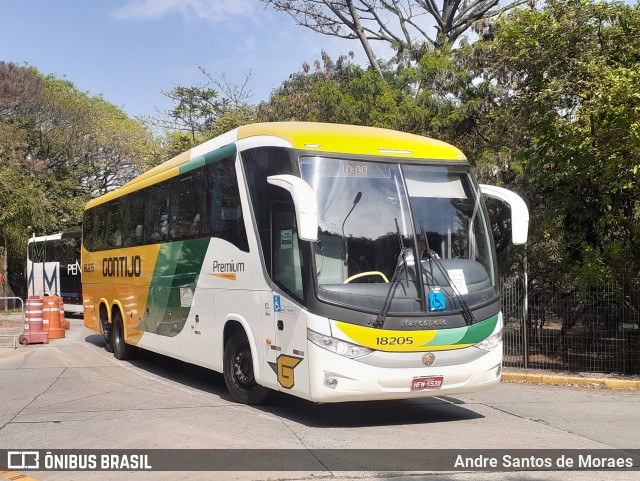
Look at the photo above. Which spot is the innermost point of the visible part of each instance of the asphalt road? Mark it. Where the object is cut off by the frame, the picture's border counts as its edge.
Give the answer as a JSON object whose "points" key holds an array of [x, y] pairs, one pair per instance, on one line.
{"points": [[71, 394]]}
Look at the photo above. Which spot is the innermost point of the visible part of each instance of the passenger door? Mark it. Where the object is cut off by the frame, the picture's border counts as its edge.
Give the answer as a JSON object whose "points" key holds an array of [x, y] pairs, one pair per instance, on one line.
{"points": [[291, 366]]}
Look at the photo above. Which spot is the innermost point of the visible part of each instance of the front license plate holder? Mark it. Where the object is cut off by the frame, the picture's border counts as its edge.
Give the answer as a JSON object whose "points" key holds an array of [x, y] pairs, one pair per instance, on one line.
{"points": [[425, 383]]}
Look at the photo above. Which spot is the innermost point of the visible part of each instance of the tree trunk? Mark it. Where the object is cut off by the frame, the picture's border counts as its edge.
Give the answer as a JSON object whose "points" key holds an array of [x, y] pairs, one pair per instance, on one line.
{"points": [[363, 39]]}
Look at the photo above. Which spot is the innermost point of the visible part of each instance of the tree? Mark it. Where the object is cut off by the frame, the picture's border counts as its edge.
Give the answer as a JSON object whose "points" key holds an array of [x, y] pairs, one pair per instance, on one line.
{"points": [[195, 107], [236, 110], [20, 89], [572, 78], [204, 112], [399, 23], [24, 202], [58, 148], [338, 92], [85, 140]]}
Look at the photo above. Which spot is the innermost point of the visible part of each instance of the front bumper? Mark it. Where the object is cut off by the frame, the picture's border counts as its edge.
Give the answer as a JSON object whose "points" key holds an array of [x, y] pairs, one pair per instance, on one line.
{"points": [[352, 380]]}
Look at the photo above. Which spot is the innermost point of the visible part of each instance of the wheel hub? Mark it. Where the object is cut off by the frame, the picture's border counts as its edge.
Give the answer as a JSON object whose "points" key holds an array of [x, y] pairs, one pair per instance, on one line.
{"points": [[243, 368]]}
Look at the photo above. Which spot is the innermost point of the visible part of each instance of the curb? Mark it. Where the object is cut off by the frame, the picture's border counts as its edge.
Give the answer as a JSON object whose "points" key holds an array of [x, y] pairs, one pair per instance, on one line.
{"points": [[560, 380]]}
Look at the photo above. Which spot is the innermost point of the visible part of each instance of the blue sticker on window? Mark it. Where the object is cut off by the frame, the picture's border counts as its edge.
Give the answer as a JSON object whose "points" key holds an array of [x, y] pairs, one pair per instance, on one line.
{"points": [[437, 301], [276, 304]]}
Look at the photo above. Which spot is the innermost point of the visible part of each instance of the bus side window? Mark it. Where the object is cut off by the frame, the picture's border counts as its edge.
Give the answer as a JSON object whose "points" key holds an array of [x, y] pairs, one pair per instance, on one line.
{"points": [[87, 230], [223, 216], [286, 260], [99, 227], [133, 219], [114, 224], [157, 214], [36, 251], [185, 207]]}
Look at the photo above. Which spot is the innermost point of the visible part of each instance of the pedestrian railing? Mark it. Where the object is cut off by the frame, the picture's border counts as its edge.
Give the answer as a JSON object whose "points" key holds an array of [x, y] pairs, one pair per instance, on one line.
{"points": [[11, 318], [576, 328]]}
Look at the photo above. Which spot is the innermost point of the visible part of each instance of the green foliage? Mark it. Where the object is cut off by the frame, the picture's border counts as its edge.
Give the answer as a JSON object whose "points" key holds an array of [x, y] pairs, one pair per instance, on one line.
{"points": [[338, 92], [231, 118], [194, 108], [58, 148], [572, 89], [546, 102], [176, 143], [201, 113], [86, 138]]}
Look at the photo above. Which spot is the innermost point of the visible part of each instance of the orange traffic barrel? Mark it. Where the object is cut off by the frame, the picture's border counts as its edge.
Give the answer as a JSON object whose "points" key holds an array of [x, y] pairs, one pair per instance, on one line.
{"points": [[33, 325], [51, 310], [63, 322], [33, 314], [46, 313]]}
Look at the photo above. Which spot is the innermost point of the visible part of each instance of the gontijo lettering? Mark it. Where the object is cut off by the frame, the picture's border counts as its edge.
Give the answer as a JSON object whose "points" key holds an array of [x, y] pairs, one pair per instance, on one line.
{"points": [[122, 266]]}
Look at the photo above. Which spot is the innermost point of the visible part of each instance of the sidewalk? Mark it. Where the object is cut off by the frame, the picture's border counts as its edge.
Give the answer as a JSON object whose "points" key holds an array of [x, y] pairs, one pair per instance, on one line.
{"points": [[596, 380]]}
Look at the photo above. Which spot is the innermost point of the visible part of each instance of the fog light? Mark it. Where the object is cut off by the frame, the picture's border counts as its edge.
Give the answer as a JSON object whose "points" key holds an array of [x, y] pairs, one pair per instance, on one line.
{"points": [[428, 358], [331, 382]]}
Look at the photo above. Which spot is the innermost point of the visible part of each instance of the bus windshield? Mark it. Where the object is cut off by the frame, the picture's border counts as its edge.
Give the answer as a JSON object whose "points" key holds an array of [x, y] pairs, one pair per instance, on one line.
{"points": [[376, 219]]}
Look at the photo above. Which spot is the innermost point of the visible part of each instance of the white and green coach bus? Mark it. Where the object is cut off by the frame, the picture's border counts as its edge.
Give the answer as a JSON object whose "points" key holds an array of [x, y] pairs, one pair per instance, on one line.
{"points": [[331, 262]]}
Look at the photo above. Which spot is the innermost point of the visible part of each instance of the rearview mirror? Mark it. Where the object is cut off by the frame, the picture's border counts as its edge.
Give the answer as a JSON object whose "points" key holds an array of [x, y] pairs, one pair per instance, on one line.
{"points": [[304, 200], [519, 211]]}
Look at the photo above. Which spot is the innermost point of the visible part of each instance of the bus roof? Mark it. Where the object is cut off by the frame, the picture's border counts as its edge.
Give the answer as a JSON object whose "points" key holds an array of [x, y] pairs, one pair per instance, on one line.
{"points": [[59, 235], [353, 139], [310, 136]]}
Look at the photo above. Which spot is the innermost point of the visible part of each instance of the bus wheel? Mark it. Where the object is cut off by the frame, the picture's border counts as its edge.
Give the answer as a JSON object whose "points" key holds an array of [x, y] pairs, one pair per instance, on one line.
{"points": [[106, 330], [121, 350], [238, 371]]}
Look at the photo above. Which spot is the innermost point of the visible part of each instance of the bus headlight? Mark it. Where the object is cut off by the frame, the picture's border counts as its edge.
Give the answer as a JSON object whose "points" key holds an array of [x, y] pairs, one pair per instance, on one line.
{"points": [[338, 346], [491, 342]]}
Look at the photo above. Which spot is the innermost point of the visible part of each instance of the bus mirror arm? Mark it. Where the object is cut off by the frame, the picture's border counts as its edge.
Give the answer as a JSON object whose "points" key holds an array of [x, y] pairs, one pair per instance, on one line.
{"points": [[304, 200], [519, 211]]}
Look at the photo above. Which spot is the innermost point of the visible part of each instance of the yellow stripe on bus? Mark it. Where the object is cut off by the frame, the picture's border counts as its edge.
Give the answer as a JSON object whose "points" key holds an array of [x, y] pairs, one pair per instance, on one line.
{"points": [[387, 340]]}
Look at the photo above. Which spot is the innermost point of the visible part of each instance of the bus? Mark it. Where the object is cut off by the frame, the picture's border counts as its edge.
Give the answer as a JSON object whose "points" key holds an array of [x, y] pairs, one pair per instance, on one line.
{"points": [[53, 268], [331, 262]]}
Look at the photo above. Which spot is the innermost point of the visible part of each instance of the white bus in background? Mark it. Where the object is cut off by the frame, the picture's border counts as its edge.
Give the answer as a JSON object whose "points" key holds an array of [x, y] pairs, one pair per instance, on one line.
{"points": [[331, 262], [53, 268]]}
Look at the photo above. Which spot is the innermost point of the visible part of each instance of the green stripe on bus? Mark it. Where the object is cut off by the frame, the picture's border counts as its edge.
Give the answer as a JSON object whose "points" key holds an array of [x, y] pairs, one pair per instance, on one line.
{"points": [[480, 331], [208, 158], [175, 275], [464, 335]]}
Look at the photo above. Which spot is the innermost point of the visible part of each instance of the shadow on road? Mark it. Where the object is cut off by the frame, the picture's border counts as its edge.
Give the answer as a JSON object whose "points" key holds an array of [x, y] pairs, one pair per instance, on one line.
{"points": [[371, 413], [350, 414]]}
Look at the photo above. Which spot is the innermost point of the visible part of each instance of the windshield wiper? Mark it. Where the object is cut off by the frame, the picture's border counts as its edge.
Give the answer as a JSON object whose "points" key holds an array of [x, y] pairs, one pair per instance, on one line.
{"points": [[432, 256], [395, 280], [468, 316]]}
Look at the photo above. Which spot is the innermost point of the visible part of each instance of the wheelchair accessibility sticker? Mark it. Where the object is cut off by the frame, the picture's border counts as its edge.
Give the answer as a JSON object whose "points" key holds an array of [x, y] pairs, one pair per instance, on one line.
{"points": [[277, 307], [437, 301]]}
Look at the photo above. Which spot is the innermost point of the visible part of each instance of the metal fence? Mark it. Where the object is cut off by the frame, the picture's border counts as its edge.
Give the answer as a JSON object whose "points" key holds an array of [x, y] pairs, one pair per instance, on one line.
{"points": [[594, 328], [11, 320]]}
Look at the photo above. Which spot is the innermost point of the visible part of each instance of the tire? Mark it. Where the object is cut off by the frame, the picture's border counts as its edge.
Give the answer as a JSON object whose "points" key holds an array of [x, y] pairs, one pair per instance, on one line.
{"points": [[121, 350], [238, 371], [106, 330]]}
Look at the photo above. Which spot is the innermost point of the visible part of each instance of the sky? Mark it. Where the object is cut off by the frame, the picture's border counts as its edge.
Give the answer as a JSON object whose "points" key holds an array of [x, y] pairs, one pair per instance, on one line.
{"points": [[129, 51]]}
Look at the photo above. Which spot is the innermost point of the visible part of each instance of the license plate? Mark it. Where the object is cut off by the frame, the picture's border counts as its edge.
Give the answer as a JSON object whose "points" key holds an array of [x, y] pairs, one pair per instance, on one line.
{"points": [[432, 382]]}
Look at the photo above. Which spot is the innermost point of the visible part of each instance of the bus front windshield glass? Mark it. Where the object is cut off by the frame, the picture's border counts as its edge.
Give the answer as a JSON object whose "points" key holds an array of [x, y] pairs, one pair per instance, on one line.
{"points": [[375, 219]]}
